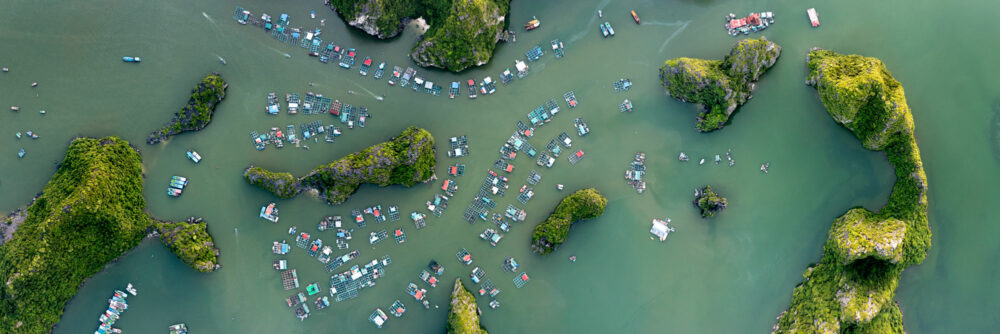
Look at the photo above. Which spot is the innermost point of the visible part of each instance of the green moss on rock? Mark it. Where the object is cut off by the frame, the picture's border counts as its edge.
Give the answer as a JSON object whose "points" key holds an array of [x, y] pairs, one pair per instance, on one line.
{"points": [[580, 205], [709, 202], [198, 112], [462, 33], [463, 317], [850, 289], [191, 243], [720, 87], [404, 160], [91, 212]]}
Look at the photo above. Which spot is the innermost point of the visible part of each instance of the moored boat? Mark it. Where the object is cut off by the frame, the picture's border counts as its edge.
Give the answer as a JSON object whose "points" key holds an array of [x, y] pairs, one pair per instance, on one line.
{"points": [[194, 156], [131, 59], [531, 25]]}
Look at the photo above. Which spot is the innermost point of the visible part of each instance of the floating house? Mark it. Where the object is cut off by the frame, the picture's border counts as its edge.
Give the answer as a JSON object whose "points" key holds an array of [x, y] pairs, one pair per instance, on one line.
{"points": [[660, 228]]}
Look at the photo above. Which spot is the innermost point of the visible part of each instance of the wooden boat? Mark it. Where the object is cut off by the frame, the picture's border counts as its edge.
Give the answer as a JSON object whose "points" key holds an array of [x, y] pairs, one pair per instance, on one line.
{"points": [[635, 17], [531, 25], [131, 59]]}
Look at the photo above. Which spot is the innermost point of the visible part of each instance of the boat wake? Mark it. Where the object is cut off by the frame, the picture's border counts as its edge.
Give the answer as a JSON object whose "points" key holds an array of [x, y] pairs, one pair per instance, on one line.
{"points": [[366, 90], [676, 32], [209, 18]]}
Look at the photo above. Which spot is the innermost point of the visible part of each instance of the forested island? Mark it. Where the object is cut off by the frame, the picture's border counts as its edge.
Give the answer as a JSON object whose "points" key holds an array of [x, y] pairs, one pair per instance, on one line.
{"points": [[580, 205], [719, 87], [709, 202], [198, 112], [461, 33], [90, 213], [463, 316], [851, 289], [404, 160], [190, 241]]}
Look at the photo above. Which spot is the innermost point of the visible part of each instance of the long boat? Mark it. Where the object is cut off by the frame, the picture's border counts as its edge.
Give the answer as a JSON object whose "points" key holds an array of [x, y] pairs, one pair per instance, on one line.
{"points": [[531, 25], [635, 17], [131, 59]]}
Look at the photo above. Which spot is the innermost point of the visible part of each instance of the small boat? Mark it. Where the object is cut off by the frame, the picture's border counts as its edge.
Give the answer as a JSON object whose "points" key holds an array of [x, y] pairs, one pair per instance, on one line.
{"points": [[20, 154], [222, 60], [494, 304], [291, 230], [600, 13], [34, 84], [32, 134], [572, 258], [763, 167], [683, 157], [611, 31], [813, 17], [178, 329], [41, 112], [604, 30], [288, 56], [194, 156], [635, 17], [531, 25], [15, 108], [174, 192], [131, 289], [5, 70], [702, 162], [312, 14], [18, 135], [131, 59]]}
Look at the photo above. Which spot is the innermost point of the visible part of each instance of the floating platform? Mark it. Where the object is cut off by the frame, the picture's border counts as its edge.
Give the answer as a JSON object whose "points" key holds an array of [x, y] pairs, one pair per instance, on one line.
{"points": [[487, 288], [625, 106], [576, 157], [534, 177], [456, 170], [399, 236], [289, 279], [510, 264], [492, 236], [636, 171], [418, 219], [581, 126], [341, 260], [302, 240], [346, 285], [525, 194], [565, 140], [377, 237], [521, 279], [534, 53], [570, 98], [379, 71], [464, 256], [558, 48], [477, 274], [397, 309], [438, 205], [515, 213], [545, 160], [426, 277], [506, 77], [393, 213], [378, 318], [358, 218], [621, 85]]}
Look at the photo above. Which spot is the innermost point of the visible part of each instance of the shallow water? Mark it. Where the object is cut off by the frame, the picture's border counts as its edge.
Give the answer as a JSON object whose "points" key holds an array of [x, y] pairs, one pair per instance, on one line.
{"points": [[741, 266]]}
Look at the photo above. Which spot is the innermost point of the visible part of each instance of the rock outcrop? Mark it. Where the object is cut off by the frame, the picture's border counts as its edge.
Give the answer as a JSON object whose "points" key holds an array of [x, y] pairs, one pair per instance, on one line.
{"points": [[405, 160], [709, 202], [462, 33], [580, 205], [852, 286], [191, 243], [719, 87], [463, 316], [198, 112], [467, 37]]}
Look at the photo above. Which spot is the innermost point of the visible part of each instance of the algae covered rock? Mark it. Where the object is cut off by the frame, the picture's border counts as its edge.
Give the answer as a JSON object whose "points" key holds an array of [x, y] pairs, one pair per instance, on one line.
{"points": [[404, 160], [580, 205], [852, 286], [709, 202], [89, 213], [198, 112], [463, 316], [460, 33], [467, 37], [191, 243], [720, 87]]}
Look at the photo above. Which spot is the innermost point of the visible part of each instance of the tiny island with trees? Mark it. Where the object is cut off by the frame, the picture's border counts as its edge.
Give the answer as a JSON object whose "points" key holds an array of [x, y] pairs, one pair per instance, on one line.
{"points": [[463, 315], [580, 205], [719, 87], [405, 160], [709, 202], [196, 115]]}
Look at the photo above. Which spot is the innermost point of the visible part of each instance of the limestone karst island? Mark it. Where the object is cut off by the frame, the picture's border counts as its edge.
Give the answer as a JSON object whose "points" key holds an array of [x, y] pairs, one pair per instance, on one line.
{"points": [[499, 166]]}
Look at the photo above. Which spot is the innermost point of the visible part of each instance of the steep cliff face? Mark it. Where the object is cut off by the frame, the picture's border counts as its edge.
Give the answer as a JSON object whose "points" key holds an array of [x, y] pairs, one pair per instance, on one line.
{"points": [[852, 286], [463, 316], [720, 87], [467, 38], [462, 33], [405, 160]]}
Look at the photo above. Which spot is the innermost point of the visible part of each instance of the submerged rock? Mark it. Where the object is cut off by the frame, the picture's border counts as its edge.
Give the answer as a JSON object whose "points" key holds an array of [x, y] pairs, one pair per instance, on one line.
{"points": [[719, 87]]}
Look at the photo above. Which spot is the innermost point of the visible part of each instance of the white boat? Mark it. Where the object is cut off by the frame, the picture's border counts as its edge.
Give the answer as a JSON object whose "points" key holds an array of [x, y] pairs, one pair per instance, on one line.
{"points": [[131, 289], [813, 17]]}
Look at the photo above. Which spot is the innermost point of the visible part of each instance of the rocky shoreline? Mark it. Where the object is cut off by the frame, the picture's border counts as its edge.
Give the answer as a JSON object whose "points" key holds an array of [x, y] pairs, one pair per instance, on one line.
{"points": [[851, 288], [719, 87], [197, 113], [406, 160]]}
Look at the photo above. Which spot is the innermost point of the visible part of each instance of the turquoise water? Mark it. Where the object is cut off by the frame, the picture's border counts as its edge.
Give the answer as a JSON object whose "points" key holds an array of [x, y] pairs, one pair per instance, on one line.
{"points": [[741, 266]]}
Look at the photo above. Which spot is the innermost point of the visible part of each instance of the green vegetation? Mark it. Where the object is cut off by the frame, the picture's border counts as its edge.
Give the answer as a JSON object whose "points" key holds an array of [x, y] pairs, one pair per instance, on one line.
{"points": [[191, 243], [89, 213], [709, 202], [405, 160], [198, 112], [720, 87], [462, 34], [850, 290], [580, 205], [463, 318]]}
